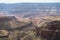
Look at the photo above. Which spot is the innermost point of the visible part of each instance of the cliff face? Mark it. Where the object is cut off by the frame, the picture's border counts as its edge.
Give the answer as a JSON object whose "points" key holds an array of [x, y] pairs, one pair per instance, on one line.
{"points": [[49, 29], [14, 28], [10, 22]]}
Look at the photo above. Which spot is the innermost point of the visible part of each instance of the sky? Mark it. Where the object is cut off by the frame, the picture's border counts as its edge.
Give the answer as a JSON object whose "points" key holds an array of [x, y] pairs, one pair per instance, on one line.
{"points": [[20, 1]]}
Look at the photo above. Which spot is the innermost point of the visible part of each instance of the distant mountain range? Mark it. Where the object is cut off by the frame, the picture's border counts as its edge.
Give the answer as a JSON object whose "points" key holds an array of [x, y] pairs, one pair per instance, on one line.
{"points": [[31, 9]]}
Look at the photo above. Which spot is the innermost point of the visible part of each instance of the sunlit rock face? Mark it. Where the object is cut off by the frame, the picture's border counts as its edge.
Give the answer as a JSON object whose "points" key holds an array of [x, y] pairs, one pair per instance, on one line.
{"points": [[37, 21], [16, 28], [3, 33], [8, 22]]}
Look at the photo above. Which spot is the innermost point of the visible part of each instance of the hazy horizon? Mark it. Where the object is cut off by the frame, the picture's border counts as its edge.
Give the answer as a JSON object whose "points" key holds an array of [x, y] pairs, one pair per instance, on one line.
{"points": [[29, 1]]}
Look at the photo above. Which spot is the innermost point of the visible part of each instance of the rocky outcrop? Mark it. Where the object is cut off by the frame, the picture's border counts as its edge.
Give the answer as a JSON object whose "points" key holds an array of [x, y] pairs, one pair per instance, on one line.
{"points": [[50, 29], [11, 22], [4, 33], [17, 30]]}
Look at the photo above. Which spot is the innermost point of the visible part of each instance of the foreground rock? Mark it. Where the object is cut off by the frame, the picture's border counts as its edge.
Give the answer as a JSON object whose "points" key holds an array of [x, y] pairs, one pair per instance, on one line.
{"points": [[17, 29], [26, 29], [3, 33]]}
